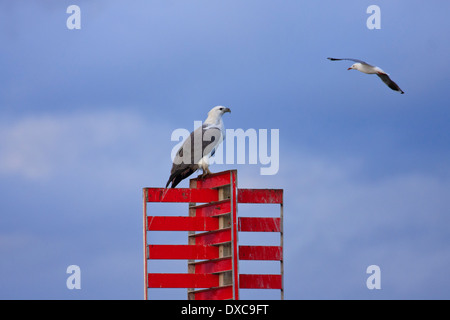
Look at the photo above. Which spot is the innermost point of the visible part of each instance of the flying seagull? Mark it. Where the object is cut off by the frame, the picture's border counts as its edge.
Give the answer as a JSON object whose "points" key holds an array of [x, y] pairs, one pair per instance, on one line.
{"points": [[369, 69], [198, 147]]}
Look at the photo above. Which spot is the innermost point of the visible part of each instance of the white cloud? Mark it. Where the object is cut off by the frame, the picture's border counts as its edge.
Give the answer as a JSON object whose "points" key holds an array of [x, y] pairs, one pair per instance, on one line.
{"points": [[43, 147]]}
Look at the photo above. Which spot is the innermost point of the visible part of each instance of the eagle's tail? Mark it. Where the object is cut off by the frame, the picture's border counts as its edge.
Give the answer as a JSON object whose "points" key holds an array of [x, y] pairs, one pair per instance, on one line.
{"points": [[175, 178], [178, 176], [172, 180]]}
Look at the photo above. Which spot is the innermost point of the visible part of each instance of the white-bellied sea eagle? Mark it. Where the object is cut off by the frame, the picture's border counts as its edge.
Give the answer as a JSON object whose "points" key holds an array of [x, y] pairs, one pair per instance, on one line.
{"points": [[198, 147]]}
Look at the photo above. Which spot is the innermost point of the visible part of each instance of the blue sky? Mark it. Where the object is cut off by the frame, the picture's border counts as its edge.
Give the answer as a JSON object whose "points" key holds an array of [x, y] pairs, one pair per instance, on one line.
{"points": [[86, 118]]}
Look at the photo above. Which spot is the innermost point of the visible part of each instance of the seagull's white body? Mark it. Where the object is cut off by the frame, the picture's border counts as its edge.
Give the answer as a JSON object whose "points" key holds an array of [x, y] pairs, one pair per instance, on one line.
{"points": [[366, 68]]}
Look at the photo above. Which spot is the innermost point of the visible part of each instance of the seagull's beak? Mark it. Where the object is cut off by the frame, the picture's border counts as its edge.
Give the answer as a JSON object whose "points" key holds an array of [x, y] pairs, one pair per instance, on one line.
{"points": [[227, 110], [350, 68]]}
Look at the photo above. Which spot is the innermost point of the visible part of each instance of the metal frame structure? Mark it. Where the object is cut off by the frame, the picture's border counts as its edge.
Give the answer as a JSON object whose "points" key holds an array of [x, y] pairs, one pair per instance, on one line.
{"points": [[213, 227]]}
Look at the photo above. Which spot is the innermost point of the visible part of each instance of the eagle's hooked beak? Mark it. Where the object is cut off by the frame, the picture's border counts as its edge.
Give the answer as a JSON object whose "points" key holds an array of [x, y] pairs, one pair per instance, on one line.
{"points": [[227, 110]]}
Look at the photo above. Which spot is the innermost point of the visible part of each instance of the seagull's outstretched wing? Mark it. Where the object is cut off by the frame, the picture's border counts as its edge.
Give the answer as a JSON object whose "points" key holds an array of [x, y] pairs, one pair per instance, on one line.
{"points": [[349, 59], [391, 84]]}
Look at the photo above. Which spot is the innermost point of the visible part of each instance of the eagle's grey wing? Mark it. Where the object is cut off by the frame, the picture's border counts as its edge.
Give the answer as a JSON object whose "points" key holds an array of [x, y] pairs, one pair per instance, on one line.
{"points": [[212, 137], [201, 142], [388, 81]]}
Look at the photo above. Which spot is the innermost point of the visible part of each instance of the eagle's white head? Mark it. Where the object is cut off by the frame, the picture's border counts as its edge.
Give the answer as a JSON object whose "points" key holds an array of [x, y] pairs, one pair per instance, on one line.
{"points": [[215, 114]]}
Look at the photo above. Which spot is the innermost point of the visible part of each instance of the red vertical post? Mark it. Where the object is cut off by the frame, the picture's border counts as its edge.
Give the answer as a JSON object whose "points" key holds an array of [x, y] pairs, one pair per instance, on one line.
{"points": [[224, 237], [234, 239]]}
